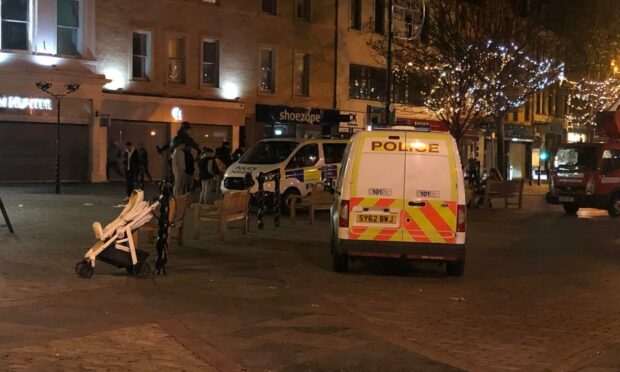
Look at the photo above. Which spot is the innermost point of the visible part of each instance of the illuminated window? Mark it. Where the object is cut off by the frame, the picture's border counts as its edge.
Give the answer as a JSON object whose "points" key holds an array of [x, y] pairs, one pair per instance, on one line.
{"points": [[210, 62], [68, 27], [302, 74], [176, 59], [141, 55], [269, 7], [367, 83], [303, 10], [267, 70], [15, 19]]}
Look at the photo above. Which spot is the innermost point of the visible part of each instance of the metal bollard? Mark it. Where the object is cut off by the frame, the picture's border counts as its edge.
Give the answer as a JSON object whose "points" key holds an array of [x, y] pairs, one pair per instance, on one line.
{"points": [[261, 200], [165, 192], [277, 200], [248, 182], [6, 217]]}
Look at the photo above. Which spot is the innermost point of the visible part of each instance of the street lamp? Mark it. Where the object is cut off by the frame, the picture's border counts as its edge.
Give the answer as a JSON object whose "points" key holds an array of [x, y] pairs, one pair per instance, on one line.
{"points": [[70, 88]]}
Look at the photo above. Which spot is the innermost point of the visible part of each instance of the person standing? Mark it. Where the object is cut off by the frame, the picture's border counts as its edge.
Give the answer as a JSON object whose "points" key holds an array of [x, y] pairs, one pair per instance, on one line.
{"points": [[221, 162], [143, 156], [178, 169], [131, 163], [183, 136], [189, 170], [205, 172]]}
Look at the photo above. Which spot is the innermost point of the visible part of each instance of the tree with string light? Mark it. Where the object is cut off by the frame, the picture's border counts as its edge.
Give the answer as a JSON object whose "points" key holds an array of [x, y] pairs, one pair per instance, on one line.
{"points": [[587, 98]]}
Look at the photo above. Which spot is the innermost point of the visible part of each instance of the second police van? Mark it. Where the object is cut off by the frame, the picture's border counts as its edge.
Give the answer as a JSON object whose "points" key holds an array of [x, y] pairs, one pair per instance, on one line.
{"points": [[400, 194], [300, 162]]}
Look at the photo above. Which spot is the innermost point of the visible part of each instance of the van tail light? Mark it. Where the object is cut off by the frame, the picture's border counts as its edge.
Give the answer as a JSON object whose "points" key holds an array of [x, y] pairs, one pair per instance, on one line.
{"points": [[590, 186], [343, 216], [461, 218]]}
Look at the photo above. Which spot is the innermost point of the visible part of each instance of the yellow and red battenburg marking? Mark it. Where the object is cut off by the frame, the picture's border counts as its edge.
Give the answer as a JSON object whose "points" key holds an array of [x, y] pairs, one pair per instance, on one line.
{"points": [[435, 222]]}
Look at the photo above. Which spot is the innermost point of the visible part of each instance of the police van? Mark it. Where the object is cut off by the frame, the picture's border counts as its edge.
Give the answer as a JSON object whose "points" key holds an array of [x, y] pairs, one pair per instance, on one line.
{"points": [[300, 162], [400, 194]]}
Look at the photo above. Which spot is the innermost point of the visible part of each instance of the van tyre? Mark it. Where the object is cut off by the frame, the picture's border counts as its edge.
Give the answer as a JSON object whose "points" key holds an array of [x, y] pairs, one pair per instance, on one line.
{"points": [[455, 268], [614, 206], [570, 208]]}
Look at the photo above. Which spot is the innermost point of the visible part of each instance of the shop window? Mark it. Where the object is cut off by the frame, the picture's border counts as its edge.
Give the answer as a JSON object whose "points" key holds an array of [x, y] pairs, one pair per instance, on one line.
{"points": [[269, 6], [366, 83], [15, 24], [267, 70], [356, 14], [210, 62], [333, 152], [303, 10], [141, 56], [68, 27], [380, 16], [307, 156], [176, 59], [302, 74], [611, 161]]}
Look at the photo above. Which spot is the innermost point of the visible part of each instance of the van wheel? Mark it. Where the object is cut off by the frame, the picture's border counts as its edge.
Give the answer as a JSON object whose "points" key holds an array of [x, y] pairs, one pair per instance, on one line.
{"points": [[614, 206], [570, 208], [455, 268], [286, 199]]}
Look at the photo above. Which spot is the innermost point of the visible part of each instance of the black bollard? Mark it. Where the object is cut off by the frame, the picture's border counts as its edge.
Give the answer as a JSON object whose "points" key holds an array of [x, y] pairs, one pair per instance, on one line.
{"points": [[277, 200], [261, 200], [6, 217], [165, 192], [248, 182]]}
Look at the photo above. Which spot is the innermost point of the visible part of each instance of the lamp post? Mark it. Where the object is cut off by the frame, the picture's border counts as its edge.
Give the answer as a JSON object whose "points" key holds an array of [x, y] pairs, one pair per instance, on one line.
{"points": [[70, 88]]}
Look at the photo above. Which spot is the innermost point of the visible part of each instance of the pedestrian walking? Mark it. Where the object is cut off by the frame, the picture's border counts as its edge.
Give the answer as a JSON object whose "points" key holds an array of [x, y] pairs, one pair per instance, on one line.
{"points": [[206, 174], [178, 169], [131, 164], [143, 156], [114, 159]]}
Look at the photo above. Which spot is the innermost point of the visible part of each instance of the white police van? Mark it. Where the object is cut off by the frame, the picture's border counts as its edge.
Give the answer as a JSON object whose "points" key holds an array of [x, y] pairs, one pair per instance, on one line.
{"points": [[400, 195], [300, 162]]}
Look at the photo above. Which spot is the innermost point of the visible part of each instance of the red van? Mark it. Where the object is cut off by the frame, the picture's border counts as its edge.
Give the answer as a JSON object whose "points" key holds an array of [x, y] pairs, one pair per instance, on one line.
{"points": [[586, 175]]}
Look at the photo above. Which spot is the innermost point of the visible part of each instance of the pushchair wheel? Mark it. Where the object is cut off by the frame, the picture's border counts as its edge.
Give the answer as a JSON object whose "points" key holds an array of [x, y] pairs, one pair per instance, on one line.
{"points": [[84, 269], [141, 270]]}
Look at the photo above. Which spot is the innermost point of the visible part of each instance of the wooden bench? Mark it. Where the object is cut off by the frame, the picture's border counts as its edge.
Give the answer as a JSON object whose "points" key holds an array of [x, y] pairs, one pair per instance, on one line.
{"points": [[507, 190], [318, 200], [233, 207], [176, 215]]}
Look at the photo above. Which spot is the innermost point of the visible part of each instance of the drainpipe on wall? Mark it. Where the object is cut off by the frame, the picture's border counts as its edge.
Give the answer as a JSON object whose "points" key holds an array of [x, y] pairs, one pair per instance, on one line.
{"points": [[336, 35]]}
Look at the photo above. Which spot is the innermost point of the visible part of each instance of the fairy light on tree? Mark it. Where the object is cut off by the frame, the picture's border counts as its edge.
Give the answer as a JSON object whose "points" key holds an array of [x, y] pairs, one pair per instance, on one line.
{"points": [[587, 98]]}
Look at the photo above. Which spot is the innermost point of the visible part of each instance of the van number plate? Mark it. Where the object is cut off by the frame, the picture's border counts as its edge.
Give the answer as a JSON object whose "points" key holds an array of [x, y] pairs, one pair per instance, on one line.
{"points": [[567, 199], [376, 218]]}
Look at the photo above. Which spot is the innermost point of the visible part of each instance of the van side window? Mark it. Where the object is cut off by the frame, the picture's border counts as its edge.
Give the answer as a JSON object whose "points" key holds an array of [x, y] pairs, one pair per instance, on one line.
{"points": [[333, 152], [306, 156], [611, 161]]}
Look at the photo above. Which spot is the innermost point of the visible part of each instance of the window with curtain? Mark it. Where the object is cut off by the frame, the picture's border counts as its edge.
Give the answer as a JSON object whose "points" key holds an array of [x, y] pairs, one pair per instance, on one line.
{"points": [[210, 62], [68, 32], [141, 56], [303, 9], [302, 74], [356, 14], [267, 70], [176, 59]]}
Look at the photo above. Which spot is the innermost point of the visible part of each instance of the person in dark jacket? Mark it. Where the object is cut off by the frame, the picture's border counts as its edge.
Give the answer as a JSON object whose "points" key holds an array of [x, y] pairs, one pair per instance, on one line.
{"points": [[183, 136], [189, 170], [131, 164], [144, 166], [206, 173]]}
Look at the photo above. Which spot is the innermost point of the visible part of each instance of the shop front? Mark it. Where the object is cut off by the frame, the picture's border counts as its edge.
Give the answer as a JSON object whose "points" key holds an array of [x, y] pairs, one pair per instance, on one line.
{"points": [[518, 147], [148, 122], [296, 122]]}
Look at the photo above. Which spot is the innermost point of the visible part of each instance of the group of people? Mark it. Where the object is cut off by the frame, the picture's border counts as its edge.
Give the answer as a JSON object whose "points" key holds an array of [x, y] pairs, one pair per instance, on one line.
{"points": [[211, 164]]}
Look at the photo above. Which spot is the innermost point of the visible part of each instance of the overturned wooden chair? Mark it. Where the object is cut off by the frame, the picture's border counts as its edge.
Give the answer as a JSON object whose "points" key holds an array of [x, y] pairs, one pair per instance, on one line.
{"points": [[318, 200], [234, 206]]}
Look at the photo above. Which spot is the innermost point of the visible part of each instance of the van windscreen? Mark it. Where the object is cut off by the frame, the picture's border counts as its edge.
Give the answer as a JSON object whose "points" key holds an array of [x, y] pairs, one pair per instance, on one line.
{"points": [[576, 157], [268, 152]]}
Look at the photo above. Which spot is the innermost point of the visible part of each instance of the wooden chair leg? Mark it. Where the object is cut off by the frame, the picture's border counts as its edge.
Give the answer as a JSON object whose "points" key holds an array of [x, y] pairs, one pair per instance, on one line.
{"points": [[196, 222]]}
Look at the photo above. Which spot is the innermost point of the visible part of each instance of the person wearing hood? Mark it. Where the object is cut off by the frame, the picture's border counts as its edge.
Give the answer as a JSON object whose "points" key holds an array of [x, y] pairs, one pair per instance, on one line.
{"points": [[183, 136]]}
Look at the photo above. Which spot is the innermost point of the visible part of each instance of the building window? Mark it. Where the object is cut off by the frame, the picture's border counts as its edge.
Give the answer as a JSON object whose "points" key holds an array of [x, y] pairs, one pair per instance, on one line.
{"points": [[303, 9], [269, 7], [176, 59], [302, 74], [68, 27], [210, 62], [141, 56], [407, 90], [380, 16], [15, 18], [356, 14], [526, 110], [267, 70], [367, 83], [539, 103], [515, 116]]}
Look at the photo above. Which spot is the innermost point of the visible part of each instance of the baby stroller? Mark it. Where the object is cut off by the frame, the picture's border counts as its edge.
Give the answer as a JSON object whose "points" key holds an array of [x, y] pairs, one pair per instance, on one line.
{"points": [[115, 243]]}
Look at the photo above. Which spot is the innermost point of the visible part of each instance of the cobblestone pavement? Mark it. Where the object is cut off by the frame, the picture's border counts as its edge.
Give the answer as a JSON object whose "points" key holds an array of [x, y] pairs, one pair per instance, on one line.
{"points": [[541, 292]]}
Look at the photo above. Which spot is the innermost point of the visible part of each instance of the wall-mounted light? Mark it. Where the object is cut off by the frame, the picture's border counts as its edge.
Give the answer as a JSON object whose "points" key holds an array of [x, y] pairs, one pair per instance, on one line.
{"points": [[43, 60], [117, 79], [153, 133], [230, 91]]}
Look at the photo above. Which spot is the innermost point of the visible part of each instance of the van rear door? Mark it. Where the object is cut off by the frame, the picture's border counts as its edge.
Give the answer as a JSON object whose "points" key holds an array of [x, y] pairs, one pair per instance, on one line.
{"points": [[431, 189], [376, 198]]}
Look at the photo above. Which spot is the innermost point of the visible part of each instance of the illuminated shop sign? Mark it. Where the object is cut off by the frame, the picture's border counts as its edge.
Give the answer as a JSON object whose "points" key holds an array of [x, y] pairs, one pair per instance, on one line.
{"points": [[23, 103]]}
